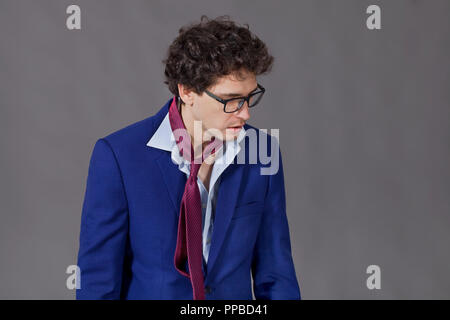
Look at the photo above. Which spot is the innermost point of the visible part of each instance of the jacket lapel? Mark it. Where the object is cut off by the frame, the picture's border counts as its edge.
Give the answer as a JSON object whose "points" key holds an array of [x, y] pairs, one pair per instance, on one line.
{"points": [[174, 180], [227, 196]]}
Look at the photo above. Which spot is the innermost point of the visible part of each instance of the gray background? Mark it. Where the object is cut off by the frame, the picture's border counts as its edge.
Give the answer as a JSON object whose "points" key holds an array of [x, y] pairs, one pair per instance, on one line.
{"points": [[363, 117]]}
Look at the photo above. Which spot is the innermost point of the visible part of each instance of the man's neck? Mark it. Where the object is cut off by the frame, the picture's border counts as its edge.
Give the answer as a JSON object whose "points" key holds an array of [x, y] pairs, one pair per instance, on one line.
{"points": [[188, 121]]}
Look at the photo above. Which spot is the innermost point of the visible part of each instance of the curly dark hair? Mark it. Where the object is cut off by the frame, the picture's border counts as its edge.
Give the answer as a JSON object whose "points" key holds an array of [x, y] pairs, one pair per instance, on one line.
{"points": [[210, 49]]}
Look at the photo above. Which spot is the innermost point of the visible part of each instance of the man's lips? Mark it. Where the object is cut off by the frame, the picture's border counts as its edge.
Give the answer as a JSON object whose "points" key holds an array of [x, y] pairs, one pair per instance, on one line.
{"points": [[236, 127], [234, 130]]}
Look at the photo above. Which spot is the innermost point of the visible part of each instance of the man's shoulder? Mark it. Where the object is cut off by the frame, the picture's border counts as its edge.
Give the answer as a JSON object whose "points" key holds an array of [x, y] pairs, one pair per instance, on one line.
{"points": [[137, 133], [260, 136], [262, 149]]}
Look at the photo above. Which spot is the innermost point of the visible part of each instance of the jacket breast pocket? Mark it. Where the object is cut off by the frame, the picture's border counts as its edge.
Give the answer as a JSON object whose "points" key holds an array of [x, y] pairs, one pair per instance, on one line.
{"points": [[248, 209]]}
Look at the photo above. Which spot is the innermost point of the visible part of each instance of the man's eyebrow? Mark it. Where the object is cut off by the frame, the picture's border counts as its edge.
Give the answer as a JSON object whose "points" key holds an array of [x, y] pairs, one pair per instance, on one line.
{"points": [[233, 95]]}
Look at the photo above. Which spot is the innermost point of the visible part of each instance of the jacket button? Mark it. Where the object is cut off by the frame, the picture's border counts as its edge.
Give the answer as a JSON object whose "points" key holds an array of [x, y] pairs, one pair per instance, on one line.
{"points": [[208, 289]]}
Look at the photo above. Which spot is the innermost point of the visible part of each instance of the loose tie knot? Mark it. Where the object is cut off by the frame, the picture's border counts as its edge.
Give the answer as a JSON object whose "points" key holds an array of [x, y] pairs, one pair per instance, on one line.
{"points": [[195, 167]]}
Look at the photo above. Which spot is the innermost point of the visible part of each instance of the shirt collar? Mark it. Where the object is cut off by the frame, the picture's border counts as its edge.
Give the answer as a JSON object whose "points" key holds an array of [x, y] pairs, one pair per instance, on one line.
{"points": [[163, 138]]}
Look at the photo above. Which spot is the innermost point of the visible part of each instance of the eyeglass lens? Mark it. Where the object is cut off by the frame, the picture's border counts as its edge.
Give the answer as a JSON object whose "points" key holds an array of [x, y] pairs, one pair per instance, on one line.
{"points": [[236, 104]]}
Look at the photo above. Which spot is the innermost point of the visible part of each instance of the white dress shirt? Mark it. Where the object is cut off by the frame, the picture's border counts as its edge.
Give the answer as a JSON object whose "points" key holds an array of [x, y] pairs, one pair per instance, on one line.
{"points": [[165, 140]]}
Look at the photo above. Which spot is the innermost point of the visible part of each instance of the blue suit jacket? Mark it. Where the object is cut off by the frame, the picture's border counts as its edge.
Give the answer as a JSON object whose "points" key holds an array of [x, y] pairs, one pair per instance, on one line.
{"points": [[130, 217]]}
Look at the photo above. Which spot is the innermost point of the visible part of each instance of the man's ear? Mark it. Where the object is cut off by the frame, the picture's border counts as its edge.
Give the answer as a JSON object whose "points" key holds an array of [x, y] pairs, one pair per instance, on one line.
{"points": [[186, 95]]}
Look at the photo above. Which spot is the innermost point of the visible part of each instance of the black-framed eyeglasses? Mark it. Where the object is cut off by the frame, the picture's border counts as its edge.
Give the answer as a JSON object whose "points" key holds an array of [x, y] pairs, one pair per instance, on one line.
{"points": [[234, 104]]}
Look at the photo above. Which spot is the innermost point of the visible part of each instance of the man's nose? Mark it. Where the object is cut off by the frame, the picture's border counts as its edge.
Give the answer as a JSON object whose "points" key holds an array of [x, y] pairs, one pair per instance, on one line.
{"points": [[243, 112]]}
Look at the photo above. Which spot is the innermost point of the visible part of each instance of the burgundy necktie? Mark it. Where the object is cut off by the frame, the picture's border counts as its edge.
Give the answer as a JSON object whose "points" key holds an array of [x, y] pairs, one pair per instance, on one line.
{"points": [[189, 238]]}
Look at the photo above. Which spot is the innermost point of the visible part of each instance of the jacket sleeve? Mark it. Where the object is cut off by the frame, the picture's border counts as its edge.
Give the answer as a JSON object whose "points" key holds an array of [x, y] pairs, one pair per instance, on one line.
{"points": [[273, 269], [104, 227]]}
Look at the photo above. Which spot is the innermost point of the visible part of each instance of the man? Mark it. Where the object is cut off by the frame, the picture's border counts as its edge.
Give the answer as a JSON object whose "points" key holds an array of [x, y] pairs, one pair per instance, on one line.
{"points": [[165, 219]]}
